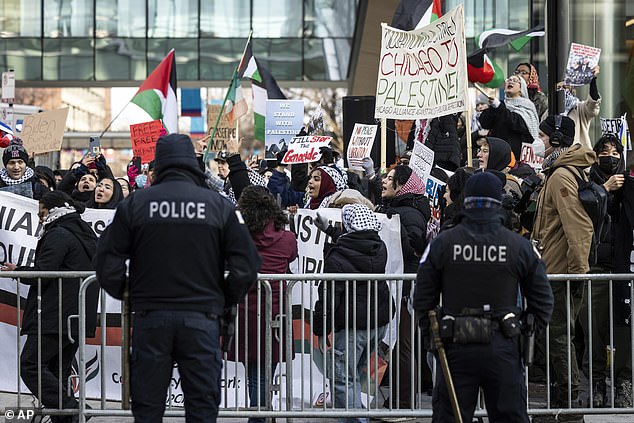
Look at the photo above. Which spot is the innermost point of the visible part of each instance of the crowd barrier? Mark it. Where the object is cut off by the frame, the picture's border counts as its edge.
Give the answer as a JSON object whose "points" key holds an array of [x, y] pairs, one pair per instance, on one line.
{"points": [[274, 344]]}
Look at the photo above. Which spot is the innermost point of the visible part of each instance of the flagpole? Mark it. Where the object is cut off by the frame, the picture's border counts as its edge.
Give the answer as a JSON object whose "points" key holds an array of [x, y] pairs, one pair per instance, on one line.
{"points": [[224, 102], [115, 118], [468, 119]]}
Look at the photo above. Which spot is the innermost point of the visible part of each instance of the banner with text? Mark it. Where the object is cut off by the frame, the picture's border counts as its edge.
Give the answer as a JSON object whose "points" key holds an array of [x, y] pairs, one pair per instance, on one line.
{"points": [[529, 157], [305, 149], [284, 119], [360, 145], [144, 136], [44, 132], [422, 73]]}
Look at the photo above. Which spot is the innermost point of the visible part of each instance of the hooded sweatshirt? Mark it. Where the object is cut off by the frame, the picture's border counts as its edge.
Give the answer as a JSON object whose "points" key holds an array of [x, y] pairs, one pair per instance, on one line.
{"points": [[499, 154]]}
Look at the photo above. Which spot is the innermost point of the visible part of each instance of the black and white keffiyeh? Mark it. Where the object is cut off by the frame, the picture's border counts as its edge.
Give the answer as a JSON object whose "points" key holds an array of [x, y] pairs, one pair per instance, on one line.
{"points": [[4, 175], [54, 214], [358, 217], [524, 107]]}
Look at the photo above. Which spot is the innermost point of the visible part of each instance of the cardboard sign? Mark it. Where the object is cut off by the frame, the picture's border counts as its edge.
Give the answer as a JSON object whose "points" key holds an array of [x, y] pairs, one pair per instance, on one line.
{"points": [[284, 119], [225, 131], [360, 145], [422, 160], [305, 149], [423, 73], [44, 132], [528, 156], [144, 136]]}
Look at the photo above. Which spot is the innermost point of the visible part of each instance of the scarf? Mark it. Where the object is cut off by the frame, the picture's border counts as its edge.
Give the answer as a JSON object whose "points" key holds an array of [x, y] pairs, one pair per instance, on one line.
{"points": [[570, 102], [414, 185], [548, 161], [524, 107], [4, 175], [326, 189], [533, 79], [358, 217], [54, 214]]}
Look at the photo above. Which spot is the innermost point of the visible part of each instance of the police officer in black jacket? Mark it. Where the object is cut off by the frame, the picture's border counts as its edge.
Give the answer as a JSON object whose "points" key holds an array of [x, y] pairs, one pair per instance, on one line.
{"points": [[479, 267], [180, 237]]}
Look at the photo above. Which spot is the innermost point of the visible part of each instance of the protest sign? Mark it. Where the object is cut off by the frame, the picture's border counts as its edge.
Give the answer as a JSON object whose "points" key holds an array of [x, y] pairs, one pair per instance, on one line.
{"points": [[581, 62], [529, 157], [305, 149], [610, 126], [422, 73], [422, 160], [44, 132], [225, 130], [360, 145], [144, 136], [284, 119]]}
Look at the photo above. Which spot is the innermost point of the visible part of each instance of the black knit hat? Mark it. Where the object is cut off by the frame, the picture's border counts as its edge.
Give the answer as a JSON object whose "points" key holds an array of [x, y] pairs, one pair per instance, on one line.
{"points": [[175, 151], [484, 185], [15, 150], [566, 129]]}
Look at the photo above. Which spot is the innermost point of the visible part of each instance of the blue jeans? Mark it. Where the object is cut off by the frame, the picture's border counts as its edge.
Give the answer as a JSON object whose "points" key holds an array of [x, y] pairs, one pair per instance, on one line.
{"points": [[356, 347], [255, 384], [192, 340]]}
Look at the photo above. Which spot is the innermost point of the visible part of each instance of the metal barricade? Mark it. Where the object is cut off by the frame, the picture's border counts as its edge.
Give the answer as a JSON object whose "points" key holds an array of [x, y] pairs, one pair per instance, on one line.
{"points": [[275, 344]]}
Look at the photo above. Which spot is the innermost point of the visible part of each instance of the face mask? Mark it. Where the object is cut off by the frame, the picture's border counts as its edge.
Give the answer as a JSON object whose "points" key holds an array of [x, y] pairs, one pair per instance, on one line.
{"points": [[609, 165], [539, 148]]}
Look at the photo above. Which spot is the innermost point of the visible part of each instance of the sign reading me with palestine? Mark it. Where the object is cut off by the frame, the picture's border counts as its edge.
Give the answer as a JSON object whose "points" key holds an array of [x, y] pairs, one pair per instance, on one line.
{"points": [[423, 73]]}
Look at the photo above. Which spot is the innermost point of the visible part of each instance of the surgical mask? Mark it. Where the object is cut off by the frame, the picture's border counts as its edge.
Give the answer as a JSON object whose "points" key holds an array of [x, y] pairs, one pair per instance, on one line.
{"points": [[609, 165], [539, 148]]}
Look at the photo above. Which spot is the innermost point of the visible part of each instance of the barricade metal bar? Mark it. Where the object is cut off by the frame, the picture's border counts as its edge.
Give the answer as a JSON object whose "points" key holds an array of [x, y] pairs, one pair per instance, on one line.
{"points": [[590, 344], [82, 344], [102, 348]]}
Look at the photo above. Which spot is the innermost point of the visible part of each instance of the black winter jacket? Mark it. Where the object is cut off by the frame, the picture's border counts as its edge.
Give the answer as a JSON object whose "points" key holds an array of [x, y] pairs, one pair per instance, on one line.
{"points": [[355, 252], [443, 139], [414, 213], [180, 237], [507, 125], [67, 244]]}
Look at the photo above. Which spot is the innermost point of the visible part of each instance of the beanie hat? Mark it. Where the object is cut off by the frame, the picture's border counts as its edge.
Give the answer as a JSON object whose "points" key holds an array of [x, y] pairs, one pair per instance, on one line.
{"points": [[566, 128], [175, 151], [15, 150], [483, 190], [358, 217]]}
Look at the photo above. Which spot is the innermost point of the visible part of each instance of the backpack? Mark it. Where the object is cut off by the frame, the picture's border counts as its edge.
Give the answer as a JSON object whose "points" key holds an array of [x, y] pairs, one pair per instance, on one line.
{"points": [[594, 199]]}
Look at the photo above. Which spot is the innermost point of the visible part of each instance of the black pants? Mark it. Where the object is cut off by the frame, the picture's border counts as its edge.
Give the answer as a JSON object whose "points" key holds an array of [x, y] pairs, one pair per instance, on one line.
{"points": [[496, 368], [50, 369], [192, 340]]}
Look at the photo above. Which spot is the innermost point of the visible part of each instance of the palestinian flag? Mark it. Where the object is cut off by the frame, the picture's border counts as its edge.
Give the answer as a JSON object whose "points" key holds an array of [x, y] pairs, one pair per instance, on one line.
{"points": [[413, 14], [499, 37], [157, 95], [264, 88], [480, 68], [236, 106]]}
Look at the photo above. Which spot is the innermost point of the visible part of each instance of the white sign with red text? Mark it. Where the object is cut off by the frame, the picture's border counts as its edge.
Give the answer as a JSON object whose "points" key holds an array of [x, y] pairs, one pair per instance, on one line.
{"points": [[305, 149], [529, 157]]}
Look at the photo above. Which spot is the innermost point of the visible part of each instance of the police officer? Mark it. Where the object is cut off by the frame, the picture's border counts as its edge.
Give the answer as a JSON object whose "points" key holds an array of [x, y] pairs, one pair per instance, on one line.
{"points": [[479, 266], [180, 237]]}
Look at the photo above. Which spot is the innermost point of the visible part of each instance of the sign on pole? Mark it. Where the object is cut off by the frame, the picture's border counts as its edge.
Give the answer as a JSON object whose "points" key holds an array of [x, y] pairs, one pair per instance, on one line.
{"points": [[305, 149], [422, 73], [44, 132], [284, 119], [360, 145]]}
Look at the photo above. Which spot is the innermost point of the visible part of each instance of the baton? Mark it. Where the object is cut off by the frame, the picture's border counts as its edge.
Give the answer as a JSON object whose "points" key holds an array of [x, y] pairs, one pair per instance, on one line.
{"points": [[444, 364]]}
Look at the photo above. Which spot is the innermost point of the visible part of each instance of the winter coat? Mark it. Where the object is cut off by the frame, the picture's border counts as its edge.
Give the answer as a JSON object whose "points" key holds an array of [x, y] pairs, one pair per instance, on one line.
{"points": [[68, 244], [355, 252], [540, 100], [280, 186], [36, 188], [508, 125], [582, 115], [562, 226], [414, 212], [605, 250], [278, 248], [443, 139], [623, 252]]}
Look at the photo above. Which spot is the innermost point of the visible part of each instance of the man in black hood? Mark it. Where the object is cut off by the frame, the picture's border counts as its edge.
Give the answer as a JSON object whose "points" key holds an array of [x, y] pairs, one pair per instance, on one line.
{"points": [[177, 294]]}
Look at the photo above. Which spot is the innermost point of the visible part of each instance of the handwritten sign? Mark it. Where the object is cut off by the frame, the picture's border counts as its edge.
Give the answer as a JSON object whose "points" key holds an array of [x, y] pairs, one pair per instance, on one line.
{"points": [[225, 130], [305, 149], [360, 145], [284, 119], [44, 132], [422, 73], [422, 160], [144, 136], [528, 156]]}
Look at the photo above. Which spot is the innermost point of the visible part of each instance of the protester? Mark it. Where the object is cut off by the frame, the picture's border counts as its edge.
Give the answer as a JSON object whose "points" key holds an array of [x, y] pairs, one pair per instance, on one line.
{"points": [[278, 248], [496, 154], [358, 250], [235, 173], [81, 180], [16, 176], [515, 119], [528, 72], [106, 195], [454, 197], [66, 243], [46, 177], [582, 112], [563, 235], [177, 294], [126, 188], [324, 182], [280, 184], [442, 138]]}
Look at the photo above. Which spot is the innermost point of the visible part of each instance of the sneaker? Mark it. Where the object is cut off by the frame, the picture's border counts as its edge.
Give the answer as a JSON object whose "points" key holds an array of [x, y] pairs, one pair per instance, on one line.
{"points": [[623, 396], [599, 399]]}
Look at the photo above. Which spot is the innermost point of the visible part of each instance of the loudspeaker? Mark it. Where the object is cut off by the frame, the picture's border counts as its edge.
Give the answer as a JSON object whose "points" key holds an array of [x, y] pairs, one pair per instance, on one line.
{"points": [[360, 109]]}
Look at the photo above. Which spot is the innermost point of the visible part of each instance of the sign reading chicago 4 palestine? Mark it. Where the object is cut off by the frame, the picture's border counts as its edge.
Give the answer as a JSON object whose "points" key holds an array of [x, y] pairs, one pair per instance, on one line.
{"points": [[422, 73]]}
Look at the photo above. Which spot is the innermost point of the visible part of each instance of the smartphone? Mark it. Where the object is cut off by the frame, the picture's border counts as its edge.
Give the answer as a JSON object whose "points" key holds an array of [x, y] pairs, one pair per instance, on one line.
{"points": [[94, 145], [136, 162]]}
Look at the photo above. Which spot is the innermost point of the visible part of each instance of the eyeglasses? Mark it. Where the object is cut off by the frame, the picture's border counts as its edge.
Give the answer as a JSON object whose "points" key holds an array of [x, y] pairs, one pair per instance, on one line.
{"points": [[512, 80], [521, 72]]}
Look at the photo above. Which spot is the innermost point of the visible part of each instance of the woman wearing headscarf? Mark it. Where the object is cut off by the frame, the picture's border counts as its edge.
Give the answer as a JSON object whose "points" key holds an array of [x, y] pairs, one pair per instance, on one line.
{"points": [[107, 195], [277, 246], [66, 243], [323, 183], [515, 119], [529, 73]]}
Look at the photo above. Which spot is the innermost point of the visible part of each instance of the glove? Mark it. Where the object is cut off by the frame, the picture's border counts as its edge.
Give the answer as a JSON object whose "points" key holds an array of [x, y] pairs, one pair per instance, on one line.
{"points": [[133, 172], [140, 180], [368, 166], [321, 222]]}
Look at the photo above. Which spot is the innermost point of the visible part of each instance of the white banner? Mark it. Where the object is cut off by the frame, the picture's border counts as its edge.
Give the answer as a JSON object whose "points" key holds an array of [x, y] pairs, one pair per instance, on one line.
{"points": [[529, 157], [423, 73]]}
